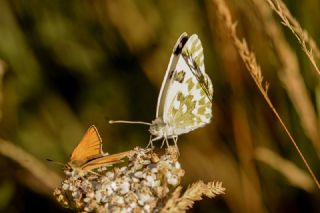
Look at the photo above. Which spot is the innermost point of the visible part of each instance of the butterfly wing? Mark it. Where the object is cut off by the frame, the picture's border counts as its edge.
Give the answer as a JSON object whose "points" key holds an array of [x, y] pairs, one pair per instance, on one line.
{"points": [[106, 160], [186, 93], [167, 81], [89, 147]]}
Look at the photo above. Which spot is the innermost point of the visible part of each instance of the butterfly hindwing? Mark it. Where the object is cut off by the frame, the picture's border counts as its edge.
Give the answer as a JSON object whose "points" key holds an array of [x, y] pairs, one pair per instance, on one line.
{"points": [[106, 160]]}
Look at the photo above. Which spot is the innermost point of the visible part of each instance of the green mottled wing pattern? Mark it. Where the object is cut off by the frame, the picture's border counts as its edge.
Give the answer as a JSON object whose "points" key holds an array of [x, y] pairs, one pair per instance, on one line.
{"points": [[193, 55], [191, 103], [185, 98]]}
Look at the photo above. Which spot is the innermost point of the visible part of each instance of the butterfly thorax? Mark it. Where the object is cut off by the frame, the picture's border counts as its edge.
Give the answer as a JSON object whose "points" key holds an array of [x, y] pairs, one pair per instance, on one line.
{"points": [[77, 163], [160, 129]]}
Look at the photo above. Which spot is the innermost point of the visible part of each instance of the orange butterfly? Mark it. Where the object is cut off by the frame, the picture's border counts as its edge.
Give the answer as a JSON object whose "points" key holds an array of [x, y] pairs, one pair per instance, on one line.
{"points": [[88, 154]]}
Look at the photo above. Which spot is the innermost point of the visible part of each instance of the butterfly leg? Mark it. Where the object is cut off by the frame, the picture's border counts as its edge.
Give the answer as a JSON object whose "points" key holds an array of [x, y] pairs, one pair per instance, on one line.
{"points": [[150, 144], [165, 140], [162, 143], [83, 173], [175, 140], [94, 173]]}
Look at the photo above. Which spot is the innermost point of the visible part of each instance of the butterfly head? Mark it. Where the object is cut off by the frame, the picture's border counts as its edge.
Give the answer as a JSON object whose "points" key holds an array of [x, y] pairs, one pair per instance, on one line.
{"points": [[68, 167], [72, 169], [156, 127]]}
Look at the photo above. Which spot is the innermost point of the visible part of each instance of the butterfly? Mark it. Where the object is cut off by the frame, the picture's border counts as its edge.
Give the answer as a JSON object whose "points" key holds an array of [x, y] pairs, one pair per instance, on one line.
{"points": [[185, 98], [88, 154]]}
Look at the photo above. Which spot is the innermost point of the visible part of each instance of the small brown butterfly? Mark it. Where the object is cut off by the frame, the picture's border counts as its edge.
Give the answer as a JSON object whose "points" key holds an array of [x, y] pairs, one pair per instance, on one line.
{"points": [[88, 154]]}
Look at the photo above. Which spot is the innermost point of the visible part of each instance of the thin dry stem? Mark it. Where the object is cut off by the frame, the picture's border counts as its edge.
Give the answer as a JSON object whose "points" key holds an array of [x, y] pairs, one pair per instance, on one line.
{"points": [[290, 74], [249, 60], [307, 43], [30, 163]]}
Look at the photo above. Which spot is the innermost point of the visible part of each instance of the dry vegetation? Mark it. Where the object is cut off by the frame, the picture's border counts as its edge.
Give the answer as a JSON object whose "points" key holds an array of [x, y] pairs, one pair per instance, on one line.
{"points": [[146, 183], [56, 79]]}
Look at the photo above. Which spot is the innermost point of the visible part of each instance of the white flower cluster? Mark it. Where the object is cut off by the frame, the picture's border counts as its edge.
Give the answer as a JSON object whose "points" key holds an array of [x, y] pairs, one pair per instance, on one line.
{"points": [[141, 186]]}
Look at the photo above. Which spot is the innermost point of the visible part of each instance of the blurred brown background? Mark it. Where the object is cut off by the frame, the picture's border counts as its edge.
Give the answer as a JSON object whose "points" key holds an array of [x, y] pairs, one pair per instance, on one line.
{"points": [[66, 65]]}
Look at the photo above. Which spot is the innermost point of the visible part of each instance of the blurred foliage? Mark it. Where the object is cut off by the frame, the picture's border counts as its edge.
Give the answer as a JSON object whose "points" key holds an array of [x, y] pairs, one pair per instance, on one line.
{"points": [[71, 64]]}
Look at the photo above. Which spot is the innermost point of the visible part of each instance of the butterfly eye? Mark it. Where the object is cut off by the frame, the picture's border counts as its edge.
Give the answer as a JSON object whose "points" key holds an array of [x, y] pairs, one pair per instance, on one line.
{"points": [[67, 167]]}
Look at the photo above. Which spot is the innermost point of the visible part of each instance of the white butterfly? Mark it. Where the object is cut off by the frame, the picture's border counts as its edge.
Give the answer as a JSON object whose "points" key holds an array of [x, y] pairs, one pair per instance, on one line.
{"points": [[185, 98]]}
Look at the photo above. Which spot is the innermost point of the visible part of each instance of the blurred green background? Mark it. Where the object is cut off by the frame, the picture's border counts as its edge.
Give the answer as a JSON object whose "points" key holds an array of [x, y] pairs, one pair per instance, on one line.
{"points": [[69, 64]]}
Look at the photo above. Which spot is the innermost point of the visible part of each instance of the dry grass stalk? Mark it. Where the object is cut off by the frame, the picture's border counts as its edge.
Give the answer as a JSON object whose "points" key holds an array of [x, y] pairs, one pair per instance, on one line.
{"points": [[250, 62], [49, 178], [248, 193], [136, 36], [290, 74], [194, 193], [296, 176], [146, 183], [3, 69], [309, 46]]}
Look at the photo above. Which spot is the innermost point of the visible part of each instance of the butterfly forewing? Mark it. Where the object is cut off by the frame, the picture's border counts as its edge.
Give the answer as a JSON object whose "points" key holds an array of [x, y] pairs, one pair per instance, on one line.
{"points": [[89, 147], [167, 81], [88, 155]]}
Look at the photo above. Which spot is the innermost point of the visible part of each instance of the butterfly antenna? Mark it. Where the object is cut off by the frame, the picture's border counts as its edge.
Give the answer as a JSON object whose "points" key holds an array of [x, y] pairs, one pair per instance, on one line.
{"points": [[128, 122], [56, 162]]}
